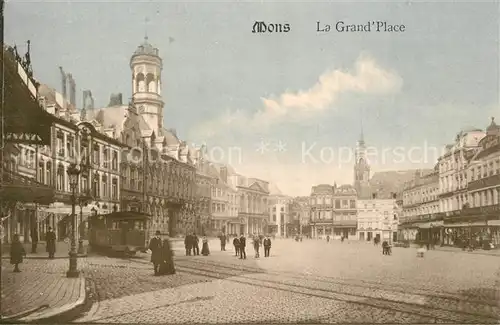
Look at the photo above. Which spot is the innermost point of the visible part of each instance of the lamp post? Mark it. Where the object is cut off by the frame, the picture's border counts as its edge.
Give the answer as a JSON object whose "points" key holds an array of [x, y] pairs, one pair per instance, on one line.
{"points": [[73, 173]]}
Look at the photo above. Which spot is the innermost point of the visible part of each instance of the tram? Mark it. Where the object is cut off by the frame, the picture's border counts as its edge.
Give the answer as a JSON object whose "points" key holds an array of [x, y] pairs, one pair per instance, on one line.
{"points": [[119, 233]]}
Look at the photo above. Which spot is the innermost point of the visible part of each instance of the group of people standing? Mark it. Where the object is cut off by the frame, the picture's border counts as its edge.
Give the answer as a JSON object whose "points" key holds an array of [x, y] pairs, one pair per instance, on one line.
{"points": [[17, 251], [192, 244], [241, 242]]}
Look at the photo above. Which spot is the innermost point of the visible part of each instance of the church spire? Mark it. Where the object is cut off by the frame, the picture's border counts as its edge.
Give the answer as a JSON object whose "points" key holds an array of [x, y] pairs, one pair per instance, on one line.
{"points": [[362, 135], [146, 21]]}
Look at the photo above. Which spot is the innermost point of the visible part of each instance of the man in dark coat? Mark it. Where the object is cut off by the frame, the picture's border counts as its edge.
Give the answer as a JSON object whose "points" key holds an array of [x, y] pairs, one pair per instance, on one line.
{"points": [[196, 244], [223, 242], [34, 240], [50, 239], [267, 246], [236, 243], [155, 245], [188, 244], [243, 243]]}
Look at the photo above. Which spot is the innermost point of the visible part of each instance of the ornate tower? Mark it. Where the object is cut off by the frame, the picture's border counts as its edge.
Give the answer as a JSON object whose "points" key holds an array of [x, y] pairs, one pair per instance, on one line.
{"points": [[361, 167], [146, 66]]}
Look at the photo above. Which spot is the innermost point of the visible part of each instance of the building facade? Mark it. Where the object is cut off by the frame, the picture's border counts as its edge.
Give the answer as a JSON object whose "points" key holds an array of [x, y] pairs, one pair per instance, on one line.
{"points": [[333, 211], [377, 218], [420, 203], [321, 206], [159, 168], [280, 219], [253, 204]]}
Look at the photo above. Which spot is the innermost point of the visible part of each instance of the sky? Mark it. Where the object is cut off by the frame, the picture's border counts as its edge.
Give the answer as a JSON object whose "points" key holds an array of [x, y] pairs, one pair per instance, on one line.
{"points": [[287, 108]]}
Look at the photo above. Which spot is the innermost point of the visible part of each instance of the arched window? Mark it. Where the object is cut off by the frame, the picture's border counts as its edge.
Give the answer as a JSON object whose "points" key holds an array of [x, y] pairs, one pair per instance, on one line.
{"points": [[151, 83], [41, 172], [140, 84]]}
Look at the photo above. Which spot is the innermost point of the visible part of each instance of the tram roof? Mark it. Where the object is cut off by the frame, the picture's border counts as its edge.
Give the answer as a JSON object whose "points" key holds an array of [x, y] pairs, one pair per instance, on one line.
{"points": [[126, 215]]}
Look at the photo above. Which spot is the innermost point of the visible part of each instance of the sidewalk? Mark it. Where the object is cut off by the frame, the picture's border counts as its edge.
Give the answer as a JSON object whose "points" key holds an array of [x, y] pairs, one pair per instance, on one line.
{"points": [[491, 252], [62, 250], [40, 292]]}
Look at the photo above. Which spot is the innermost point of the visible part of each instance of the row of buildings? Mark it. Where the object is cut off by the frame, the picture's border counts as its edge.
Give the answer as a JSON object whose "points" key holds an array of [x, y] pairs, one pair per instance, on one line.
{"points": [[128, 161], [458, 200]]}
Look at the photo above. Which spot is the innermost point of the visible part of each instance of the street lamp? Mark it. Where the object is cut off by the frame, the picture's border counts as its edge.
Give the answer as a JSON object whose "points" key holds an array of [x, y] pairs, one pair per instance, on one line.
{"points": [[73, 173]]}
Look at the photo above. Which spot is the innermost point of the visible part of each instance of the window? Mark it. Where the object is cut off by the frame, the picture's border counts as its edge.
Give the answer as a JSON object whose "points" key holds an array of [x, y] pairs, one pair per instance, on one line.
{"points": [[337, 204], [114, 189], [106, 158], [353, 204], [41, 173], [114, 162], [96, 186], [60, 144], [274, 217], [97, 154], [132, 178], [104, 186], [70, 145], [48, 174], [60, 178], [282, 209], [84, 184]]}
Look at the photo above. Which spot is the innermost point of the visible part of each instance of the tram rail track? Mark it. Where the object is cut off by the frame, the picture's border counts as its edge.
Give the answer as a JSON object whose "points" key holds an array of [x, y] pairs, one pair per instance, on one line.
{"points": [[427, 312], [355, 283]]}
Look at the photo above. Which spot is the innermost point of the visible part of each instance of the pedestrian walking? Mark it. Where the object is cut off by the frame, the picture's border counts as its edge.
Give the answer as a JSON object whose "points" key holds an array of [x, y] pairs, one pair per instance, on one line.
{"points": [[328, 238], [196, 244], [16, 253], [236, 244], [205, 251], [188, 244], [256, 245], [50, 239], [155, 246], [342, 239], [222, 242], [267, 246], [167, 263], [34, 240], [243, 243]]}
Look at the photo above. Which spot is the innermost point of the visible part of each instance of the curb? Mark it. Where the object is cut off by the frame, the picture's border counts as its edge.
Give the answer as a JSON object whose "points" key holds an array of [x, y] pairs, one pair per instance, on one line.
{"points": [[15, 318], [61, 314]]}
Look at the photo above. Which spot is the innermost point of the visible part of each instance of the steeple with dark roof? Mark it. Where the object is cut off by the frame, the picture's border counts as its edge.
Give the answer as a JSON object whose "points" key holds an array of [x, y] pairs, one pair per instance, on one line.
{"points": [[493, 128]]}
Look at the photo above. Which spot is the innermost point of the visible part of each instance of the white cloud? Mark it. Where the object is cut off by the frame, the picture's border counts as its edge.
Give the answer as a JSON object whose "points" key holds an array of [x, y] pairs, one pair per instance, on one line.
{"points": [[367, 78]]}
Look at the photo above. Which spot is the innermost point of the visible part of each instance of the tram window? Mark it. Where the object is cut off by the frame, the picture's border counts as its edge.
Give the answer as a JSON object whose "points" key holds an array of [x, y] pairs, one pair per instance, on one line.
{"points": [[139, 225]]}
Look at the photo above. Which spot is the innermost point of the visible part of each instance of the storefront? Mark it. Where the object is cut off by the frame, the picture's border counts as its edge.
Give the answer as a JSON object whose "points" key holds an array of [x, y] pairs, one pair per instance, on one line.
{"points": [[20, 196], [475, 225]]}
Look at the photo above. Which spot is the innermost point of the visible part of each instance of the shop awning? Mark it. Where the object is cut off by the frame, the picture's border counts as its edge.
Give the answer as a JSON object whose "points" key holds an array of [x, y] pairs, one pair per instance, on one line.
{"points": [[429, 225], [19, 188], [25, 120]]}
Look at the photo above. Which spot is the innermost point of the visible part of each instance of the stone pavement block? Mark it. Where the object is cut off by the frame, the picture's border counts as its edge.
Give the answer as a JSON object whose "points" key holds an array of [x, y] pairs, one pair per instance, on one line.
{"points": [[228, 302], [41, 282]]}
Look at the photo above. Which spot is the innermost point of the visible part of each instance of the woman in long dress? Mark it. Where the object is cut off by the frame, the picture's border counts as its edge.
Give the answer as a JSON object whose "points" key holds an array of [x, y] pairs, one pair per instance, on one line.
{"points": [[205, 251], [167, 265]]}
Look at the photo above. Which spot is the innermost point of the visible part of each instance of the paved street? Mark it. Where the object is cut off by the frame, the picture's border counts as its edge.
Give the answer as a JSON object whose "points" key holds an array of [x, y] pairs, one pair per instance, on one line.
{"points": [[308, 281], [40, 288]]}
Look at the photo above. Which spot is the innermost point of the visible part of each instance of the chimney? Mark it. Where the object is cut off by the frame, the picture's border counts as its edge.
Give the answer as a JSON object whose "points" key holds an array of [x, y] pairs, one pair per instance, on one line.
{"points": [[72, 90], [88, 100], [115, 100], [63, 82], [223, 173]]}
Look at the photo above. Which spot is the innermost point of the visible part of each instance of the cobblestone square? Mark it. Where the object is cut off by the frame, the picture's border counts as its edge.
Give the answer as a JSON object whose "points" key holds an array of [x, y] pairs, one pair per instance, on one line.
{"points": [[311, 281]]}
